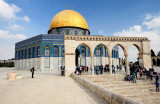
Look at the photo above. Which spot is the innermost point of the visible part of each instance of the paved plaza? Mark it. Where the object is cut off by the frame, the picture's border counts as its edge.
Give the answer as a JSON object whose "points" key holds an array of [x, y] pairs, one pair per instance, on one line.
{"points": [[49, 87], [46, 88]]}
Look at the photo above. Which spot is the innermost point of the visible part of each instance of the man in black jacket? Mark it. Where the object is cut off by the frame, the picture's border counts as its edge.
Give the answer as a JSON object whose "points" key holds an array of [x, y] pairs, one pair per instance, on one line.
{"points": [[32, 70]]}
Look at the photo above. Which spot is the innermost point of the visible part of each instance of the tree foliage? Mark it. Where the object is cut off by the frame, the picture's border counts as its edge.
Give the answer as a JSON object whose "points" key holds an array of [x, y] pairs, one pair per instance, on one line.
{"points": [[152, 53], [158, 53]]}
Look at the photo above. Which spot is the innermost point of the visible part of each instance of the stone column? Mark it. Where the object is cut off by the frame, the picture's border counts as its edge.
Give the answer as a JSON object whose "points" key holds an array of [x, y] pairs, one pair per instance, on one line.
{"points": [[69, 63], [110, 63], [146, 54], [92, 63], [140, 59], [147, 60], [126, 63]]}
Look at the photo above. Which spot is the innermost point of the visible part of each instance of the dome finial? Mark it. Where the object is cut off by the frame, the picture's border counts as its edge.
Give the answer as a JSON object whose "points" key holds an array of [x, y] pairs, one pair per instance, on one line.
{"points": [[68, 7]]}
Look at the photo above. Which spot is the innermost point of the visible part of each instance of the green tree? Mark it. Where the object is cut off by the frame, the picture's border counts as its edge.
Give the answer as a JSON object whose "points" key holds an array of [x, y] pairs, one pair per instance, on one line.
{"points": [[158, 53], [152, 53]]}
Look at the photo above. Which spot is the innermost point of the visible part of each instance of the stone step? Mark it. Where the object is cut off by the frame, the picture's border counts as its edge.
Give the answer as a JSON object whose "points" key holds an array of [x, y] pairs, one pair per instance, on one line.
{"points": [[144, 90], [150, 98], [132, 88], [127, 86]]}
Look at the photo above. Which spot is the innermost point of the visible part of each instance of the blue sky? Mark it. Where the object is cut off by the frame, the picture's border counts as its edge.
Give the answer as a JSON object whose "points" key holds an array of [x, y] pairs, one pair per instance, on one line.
{"points": [[22, 19]]}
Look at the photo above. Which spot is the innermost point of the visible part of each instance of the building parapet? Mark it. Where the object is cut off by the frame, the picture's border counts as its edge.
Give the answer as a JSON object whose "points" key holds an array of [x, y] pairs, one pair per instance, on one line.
{"points": [[104, 38]]}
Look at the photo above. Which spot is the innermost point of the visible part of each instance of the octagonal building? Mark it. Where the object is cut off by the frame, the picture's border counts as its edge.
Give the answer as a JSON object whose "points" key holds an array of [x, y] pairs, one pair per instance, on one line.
{"points": [[46, 51]]}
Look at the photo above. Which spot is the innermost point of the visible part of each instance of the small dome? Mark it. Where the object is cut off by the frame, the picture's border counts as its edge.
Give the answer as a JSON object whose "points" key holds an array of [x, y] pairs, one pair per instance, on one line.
{"points": [[68, 18]]}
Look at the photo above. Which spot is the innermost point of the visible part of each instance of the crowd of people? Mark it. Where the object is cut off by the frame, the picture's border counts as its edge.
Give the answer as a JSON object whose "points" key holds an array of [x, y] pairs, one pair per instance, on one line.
{"points": [[98, 69], [138, 70], [80, 69]]}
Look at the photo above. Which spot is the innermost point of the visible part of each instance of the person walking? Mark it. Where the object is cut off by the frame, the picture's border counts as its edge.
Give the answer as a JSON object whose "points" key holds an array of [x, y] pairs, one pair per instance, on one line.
{"points": [[134, 77], [113, 69], [157, 76], [117, 67], [120, 67], [32, 71], [101, 69], [157, 85], [140, 73], [97, 70], [151, 74]]}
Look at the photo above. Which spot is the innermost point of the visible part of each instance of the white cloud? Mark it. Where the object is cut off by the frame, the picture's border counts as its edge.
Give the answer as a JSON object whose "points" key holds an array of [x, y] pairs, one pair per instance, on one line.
{"points": [[136, 28], [7, 35], [15, 27], [136, 31], [26, 18], [8, 12], [153, 24], [101, 32]]}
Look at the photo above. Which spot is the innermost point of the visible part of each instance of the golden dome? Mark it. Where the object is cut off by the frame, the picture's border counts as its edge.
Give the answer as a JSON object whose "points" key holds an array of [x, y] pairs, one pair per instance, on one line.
{"points": [[68, 18]]}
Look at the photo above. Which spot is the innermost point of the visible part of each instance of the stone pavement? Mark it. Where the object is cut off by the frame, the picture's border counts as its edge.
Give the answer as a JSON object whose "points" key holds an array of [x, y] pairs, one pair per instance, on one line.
{"points": [[46, 88]]}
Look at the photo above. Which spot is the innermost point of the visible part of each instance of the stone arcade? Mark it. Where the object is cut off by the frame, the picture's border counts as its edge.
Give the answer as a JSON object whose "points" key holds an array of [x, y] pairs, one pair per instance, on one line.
{"points": [[71, 42]]}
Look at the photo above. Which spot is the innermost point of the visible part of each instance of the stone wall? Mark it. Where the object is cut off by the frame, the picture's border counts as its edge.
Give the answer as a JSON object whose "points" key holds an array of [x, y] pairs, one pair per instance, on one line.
{"points": [[109, 96], [40, 63]]}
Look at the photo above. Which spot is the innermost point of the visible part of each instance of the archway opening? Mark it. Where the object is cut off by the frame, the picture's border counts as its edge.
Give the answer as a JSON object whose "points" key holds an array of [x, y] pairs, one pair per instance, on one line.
{"points": [[100, 55], [154, 61], [83, 58], [158, 62], [134, 57], [118, 58]]}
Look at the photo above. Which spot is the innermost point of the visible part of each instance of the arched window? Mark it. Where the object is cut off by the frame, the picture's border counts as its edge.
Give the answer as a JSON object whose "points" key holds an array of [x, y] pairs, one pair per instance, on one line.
{"points": [[83, 51], [56, 51], [38, 51], [83, 33], [98, 51], [76, 33], [26, 54], [47, 51], [58, 32], [67, 32], [16, 55], [34, 53], [22, 54], [62, 51], [30, 53]]}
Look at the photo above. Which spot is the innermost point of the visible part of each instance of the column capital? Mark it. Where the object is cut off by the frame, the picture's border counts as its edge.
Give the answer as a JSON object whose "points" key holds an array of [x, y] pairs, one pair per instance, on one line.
{"points": [[126, 55], [109, 55], [145, 53], [69, 53]]}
